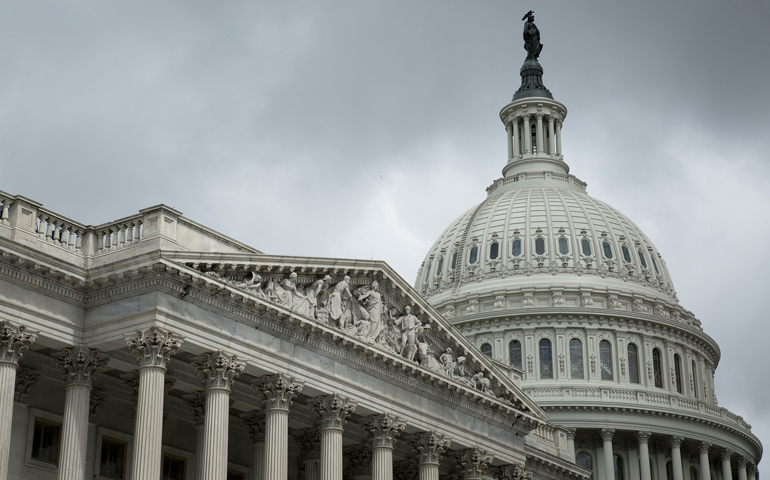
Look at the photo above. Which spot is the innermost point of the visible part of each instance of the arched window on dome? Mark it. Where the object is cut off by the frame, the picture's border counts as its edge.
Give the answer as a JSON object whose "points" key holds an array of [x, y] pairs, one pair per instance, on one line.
{"points": [[626, 254], [563, 245], [633, 363], [486, 349], [605, 359], [695, 379], [642, 259], [694, 473], [427, 274], [516, 248], [669, 471], [657, 367], [607, 249], [514, 353], [494, 250], [454, 260], [619, 470], [539, 245], [576, 358], [678, 372], [546, 359], [654, 264], [474, 255], [440, 267], [585, 244], [583, 460]]}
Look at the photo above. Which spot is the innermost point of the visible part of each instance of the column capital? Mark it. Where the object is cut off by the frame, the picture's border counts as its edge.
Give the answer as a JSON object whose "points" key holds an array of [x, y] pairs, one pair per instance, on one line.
{"points": [[278, 390], [676, 441], [383, 429], [255, 422], [14, 339], [513, 472], [309, 440], [197, 403], [431, 446], [607, 434], [218, 370], [643, 437], [703, 447], [473, 462], [333, 410], [741, 461], [360, 458], [80, 364], [153, 346], [725, 454], [571, 432]]}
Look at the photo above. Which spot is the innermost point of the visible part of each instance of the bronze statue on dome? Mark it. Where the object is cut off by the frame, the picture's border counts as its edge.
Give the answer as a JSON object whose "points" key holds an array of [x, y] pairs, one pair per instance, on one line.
{"points": [[531, 36]]}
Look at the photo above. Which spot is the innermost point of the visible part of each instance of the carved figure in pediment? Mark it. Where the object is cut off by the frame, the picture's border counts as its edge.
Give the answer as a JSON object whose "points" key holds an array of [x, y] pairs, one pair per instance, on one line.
{"points": [[286, 293], [315, 298], [411, 328], [371, 300], [452, 366], [252, 283], [427, 358], [339, 302]]}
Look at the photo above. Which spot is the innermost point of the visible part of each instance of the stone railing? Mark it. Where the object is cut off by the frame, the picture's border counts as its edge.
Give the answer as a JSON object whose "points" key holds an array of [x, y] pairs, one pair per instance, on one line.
{"points": [[530, 176], [118, 234], [58, 230], [612, 396]]}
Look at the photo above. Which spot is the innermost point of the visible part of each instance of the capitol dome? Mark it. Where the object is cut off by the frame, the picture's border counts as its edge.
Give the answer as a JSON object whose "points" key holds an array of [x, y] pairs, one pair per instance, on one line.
{"points": [[572, 298]]}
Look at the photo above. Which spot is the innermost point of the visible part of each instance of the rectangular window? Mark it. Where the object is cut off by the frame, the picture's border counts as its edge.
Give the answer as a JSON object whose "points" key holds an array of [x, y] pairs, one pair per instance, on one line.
{"points": [[173, 468], [112, 463], [45, 441]]}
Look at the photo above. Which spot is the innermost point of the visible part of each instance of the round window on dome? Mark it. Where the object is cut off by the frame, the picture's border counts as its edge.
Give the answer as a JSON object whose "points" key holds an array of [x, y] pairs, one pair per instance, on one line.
{"points": [[563, 245], [607, 249], [642, 259], [626, 254], [585, 244], [540, 245], [440, 267], [494, 250], [474, 255], [516, 248]]}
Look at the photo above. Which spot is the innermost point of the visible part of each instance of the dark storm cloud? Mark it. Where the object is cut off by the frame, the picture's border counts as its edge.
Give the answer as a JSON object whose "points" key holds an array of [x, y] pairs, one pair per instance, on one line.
{"points": [[361, 129]]}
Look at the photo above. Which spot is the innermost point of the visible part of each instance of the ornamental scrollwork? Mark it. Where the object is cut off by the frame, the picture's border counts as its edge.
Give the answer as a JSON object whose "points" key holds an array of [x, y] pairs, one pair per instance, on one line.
{"points": [[218, 369], [153, 346], [383, 429], [14, 340], [80, 364], [278, 390]]}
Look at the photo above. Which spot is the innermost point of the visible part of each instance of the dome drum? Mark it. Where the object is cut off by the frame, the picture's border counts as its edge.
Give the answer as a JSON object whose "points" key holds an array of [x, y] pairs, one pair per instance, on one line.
{"points": [[533, 128]]}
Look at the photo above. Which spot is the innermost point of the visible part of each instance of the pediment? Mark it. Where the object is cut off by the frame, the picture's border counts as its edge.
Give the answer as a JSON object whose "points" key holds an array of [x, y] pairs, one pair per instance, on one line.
{"points": [[363, 305]]}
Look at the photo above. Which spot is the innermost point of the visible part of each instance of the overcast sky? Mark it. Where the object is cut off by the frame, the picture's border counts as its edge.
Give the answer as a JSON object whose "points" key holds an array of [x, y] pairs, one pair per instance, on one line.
{"points": [[361, 130]]}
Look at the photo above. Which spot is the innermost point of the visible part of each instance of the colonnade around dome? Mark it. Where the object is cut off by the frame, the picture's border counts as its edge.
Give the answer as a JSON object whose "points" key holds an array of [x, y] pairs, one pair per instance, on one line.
{"points": [[155, 345]]}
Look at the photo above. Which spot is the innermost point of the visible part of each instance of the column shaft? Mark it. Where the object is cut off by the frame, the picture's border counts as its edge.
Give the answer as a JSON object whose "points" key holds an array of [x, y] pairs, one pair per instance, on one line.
{"points": [[516, 139], [644, 461], [258, 462], [551, 137], [705, 467], [7, 386], [558, 138], [509, 134], [215, 434], [571, 446], [313, 469], [539, 133], [742, 471], [527, 134], [276, 444], [382, 463], [331, 454], [609, 464], [676, 461], [727, 469], [428, 471], [146, 461], [74, 439]]}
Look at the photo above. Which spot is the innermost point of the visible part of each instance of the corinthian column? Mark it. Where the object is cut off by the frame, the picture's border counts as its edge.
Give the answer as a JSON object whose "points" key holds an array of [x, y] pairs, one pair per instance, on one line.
{"points": [[278, 390], [644, 455], [473, 463], [333, 411], [360, 462], [431, 446], [197, 403], [508, 472], [13, 341], [383, 430], [676, 457], [309, 441], [609, 463], [705, 467], [727, 469], [153, 347], [218, 370], [79, 364], [742, 468], [255, 422]]}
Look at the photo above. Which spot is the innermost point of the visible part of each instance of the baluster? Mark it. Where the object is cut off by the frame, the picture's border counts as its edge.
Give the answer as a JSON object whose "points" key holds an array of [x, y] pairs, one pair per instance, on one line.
{"points": [[138, 233], [114, 235], [79, 240], [40, 226], [102, 241], [122, 235], [71, 238], [49, 229], [130, 233]]}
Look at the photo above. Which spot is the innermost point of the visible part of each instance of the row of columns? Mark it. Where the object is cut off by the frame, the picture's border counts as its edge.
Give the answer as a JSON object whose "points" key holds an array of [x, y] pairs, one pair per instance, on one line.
{"points": [[674, 443], [269, 430], [516, 149]]}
